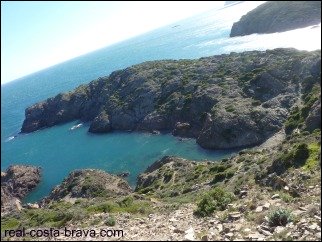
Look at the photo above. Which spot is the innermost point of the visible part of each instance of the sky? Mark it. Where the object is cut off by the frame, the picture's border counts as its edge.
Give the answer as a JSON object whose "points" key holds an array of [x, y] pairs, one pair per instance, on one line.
{"points": [[36, 35]]}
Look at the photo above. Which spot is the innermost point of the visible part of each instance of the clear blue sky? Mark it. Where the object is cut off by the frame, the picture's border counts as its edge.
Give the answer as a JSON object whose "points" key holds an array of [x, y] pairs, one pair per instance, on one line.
{"points": [[36, 35]]}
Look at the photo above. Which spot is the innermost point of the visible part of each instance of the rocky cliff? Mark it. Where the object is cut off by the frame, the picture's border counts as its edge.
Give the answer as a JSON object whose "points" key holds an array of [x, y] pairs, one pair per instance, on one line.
{"points": [[278, 16], [16, 183], [223, 101]]}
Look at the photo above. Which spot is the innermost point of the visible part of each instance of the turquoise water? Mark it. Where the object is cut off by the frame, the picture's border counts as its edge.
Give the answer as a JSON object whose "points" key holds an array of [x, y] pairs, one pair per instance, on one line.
{"points": [[58, 150], [63, 150]]}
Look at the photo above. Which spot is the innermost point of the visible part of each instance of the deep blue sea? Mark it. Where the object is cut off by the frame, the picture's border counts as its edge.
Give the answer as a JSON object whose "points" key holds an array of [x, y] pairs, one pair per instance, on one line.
{"points": [[59, 150]]}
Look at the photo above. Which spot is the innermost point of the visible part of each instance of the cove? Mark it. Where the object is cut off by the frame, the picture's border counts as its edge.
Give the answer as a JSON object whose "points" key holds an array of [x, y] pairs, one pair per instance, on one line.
{"points": [[59, 150]]}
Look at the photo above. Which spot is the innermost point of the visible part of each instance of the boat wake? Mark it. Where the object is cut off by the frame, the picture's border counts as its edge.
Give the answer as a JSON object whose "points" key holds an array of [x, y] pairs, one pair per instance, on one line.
{"points": [[10, 138], [76, 126], [165, 151]]}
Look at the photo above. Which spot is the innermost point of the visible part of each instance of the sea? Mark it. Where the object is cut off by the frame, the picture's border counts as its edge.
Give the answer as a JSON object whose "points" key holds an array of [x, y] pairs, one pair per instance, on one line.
{"points": [[59, 150]]}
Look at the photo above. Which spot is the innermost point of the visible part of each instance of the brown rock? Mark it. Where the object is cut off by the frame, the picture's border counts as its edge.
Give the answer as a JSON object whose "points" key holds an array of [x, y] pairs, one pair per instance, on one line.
{"points": [[16, 183], [234, 216], [182, 129], [101, 124]]}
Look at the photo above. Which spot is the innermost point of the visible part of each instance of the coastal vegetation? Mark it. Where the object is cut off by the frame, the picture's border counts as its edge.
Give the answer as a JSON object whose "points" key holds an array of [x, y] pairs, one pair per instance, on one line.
{"points": [[278, 16], [225, 101], [269, 191]]}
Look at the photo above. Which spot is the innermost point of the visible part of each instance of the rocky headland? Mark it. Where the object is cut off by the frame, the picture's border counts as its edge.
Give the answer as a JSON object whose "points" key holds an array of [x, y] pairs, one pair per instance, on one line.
{"points": [[278, 16], [224, 101], [16, 182]]}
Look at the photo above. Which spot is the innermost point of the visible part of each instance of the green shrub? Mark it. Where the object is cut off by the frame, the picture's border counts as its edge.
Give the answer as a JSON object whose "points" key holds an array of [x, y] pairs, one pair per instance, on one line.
{"points": [[298, 115], [286, 197], [220, 176], [313, 160], [296, 157], [301, 153], [126, 202], [91, 189], [100, 208], [217, 199], [110, 221], [218, 168], [50, 217], [206, 206], [225, 174], [230, 173], [279, 217], [230, 108], [96, 221], [294, 120]]}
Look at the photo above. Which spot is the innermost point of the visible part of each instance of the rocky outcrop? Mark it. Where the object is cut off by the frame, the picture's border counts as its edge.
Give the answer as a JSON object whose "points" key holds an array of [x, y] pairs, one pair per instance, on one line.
{"points": [[182, 129], [100, 124], [89, 183], [16, 183], [313, 121], [278, 16], [245, 129], [223, 101], [164, 172]]}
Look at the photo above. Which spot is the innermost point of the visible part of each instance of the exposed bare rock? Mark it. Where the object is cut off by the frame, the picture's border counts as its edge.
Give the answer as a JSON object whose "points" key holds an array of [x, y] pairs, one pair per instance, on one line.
{"points": [[100, 124], [313, 121], [278, 16], [223, 101], [182, 129], [16, 183]]}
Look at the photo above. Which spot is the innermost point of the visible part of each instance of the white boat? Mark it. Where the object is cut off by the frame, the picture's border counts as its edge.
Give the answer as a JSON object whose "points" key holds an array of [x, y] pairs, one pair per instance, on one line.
{"points": [[76, 126]]}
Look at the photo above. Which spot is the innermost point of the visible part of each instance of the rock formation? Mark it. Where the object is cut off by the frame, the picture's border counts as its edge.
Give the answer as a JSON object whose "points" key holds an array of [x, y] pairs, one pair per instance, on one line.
{"points": [[223, 101], [278, 16], [90, 183], [16, 183], [313, 121]]}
